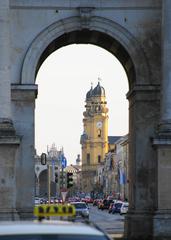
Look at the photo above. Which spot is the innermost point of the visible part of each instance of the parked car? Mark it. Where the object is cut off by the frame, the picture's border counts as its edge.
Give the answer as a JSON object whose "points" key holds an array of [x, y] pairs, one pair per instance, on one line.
{"points": [[87, 199], [95, 202], [105, 204], [99, 203], [124, 208], [82, 209], [117, 207], [36, 200]]}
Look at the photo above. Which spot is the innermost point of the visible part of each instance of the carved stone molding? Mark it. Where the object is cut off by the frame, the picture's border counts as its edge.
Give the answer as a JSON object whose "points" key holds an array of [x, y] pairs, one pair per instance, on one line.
{"points": [[85, 14]]}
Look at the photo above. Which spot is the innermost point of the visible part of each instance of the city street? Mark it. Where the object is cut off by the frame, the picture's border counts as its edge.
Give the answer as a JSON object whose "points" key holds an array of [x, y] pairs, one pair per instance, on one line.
{"points": [[111, 223]]}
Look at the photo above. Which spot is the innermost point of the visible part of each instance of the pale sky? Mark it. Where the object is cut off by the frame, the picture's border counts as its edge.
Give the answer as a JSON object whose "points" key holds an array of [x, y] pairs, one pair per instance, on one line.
{"points": [[63, 81]]}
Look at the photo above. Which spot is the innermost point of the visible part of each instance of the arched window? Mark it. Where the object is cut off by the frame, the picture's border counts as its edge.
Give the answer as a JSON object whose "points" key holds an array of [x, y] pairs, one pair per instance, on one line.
{"points": [[99, 132], [88, 158], [99, 159]]}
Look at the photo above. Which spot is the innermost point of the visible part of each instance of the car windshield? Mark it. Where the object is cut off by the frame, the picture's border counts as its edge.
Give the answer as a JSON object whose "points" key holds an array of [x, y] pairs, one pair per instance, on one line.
{"points": [[52, 237], [79, 205], [118, 204]]}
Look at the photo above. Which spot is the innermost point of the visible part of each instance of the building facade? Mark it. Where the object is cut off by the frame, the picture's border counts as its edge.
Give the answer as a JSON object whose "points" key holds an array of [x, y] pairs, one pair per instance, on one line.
{"points": [[45, 183], [112, 175]]}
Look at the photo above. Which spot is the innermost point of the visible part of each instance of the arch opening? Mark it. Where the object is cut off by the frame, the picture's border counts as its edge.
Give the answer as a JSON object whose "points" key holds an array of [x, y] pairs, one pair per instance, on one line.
{"points": [[72, 71], [96, 38]]}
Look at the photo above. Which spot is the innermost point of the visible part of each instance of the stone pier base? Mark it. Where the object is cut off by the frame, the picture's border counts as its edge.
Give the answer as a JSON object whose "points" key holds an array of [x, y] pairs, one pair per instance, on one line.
{"points": [[9, 146], [162, 225], [138, 226], [26, 214], [9, 215], [162, 217]]}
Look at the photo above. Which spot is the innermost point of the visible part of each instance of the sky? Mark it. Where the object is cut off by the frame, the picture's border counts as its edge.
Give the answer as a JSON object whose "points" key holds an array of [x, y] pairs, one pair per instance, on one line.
{"points": [[63, 81]]}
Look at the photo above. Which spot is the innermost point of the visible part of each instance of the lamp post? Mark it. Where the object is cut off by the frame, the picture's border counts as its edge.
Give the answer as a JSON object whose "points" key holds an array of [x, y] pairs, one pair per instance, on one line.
{"points": [[49, 192]]}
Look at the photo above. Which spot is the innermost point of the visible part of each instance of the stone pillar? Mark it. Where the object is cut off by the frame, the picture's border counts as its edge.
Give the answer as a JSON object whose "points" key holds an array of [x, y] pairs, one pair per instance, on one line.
{"points": [[165, 126], [143, 119], [9, 143], [6, 127], [8, 156], [23, 107], [162, 142]]}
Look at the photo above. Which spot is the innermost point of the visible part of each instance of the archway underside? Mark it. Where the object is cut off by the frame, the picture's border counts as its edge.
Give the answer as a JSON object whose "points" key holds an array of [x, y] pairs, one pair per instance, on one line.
{"points": [[96, 38]]}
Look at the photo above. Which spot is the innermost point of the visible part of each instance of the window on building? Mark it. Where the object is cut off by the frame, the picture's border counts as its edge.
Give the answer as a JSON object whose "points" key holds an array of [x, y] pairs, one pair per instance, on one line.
{"points": [[99, 158], [88, 158], [99, 132]]}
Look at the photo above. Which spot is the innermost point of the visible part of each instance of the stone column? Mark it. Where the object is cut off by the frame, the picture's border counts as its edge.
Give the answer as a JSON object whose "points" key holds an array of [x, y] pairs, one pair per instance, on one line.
{"points": [[23, 108], [165, 126], [9, 143], [6, 127], [143, 118], [162, 218]]}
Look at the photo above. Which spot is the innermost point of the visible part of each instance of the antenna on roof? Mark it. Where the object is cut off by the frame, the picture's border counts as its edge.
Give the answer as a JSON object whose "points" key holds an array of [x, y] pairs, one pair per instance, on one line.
{"points": [[92, 84]]}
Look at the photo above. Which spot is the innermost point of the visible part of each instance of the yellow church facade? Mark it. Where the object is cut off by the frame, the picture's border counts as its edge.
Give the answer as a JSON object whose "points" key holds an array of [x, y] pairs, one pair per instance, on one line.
{"points": [[94, 139]]}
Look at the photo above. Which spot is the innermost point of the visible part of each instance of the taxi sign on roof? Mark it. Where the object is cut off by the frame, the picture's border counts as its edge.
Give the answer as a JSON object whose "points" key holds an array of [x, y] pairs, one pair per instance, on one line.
{"points": [[65, 210]]}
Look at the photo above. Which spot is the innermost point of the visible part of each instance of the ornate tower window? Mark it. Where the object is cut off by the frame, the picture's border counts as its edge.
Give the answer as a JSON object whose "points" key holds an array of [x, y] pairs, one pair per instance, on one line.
{"points": [[99, 132], [99, 159]]}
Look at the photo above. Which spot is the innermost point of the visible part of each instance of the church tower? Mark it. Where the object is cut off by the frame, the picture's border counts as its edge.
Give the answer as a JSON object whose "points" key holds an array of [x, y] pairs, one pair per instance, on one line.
{"points": [[94, 139]]}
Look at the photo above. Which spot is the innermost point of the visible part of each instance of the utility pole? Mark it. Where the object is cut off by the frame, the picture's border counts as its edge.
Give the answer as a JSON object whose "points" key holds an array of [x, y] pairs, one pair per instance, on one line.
{"points": [[62, 178], [58, 181]]}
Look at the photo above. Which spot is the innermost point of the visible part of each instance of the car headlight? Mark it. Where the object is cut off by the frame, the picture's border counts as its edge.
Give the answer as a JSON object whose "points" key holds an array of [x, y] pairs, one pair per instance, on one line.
{"points": [[86, 212]]}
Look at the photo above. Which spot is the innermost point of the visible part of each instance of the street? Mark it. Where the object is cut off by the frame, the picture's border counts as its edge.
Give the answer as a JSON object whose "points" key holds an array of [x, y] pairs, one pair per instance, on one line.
{"points": [[110, 223]]}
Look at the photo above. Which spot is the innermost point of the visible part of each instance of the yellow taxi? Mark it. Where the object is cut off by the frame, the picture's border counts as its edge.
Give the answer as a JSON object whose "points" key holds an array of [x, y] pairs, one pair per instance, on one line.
{"points": [[43, 229]]}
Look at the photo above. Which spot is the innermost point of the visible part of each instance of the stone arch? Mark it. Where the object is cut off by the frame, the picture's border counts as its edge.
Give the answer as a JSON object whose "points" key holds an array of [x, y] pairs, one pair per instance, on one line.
{"points": [[102, 32], [43, 178], [143, 117]]}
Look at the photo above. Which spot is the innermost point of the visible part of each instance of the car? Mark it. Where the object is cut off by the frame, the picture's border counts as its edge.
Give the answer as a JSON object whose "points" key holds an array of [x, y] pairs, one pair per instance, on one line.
{"points": [[110, 207], [88, 200], [36, 200], [95, 202], [82, 210], [43, 229], [49, 230], [117, 207], [124, 208], [99, 203], [105, 204]]}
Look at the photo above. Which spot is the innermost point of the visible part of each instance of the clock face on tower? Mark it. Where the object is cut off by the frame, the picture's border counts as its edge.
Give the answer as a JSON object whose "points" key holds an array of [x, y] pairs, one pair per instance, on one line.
{"points": [[99, 124]]}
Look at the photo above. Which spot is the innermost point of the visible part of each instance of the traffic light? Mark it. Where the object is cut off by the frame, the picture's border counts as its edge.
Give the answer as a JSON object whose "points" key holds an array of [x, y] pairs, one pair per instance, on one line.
{"points": [[62, 179], [69, 179], [56, 177], [43, 159]]}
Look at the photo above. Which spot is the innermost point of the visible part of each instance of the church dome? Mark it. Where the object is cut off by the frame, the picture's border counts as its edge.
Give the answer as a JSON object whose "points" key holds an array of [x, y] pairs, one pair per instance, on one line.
{"points": [[89, 93], [98, 90]]}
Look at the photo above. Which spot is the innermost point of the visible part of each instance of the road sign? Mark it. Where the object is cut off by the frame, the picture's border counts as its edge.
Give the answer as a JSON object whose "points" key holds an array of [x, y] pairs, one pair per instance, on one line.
{"points": [[64, 193], [64, 162]]}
